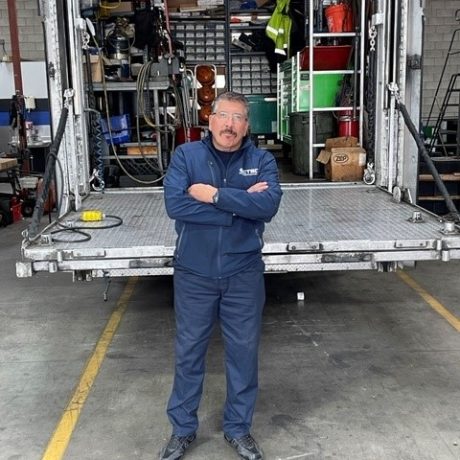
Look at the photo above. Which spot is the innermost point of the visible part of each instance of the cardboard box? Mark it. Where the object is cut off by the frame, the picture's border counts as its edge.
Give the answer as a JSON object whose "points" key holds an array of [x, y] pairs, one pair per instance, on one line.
{"points": [[144, 150], [96, 68], [7, 163], [346, 141], [345, 163], [181, 5]]}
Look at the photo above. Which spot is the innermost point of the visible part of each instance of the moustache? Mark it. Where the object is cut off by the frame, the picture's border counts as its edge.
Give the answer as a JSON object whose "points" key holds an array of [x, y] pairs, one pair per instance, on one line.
{"points": [[228, 131]]}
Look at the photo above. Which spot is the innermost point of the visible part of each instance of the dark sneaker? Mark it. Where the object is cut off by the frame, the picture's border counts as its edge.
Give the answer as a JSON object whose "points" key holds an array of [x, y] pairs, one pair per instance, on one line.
{"points": [[246, 447], [176, 447]]}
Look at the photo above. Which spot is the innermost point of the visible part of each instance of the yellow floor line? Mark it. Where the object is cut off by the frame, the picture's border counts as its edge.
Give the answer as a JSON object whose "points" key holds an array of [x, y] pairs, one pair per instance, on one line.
{"points": [[60, 440], [434, 304]]}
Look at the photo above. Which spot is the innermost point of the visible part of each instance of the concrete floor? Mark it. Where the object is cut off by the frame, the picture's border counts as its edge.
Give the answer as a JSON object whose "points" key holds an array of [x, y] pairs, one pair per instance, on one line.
{"points": [[363, 369]]}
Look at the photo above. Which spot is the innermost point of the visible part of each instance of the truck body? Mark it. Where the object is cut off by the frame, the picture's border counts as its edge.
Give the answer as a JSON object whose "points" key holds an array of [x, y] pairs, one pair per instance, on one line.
{"points": [[320, 225]]}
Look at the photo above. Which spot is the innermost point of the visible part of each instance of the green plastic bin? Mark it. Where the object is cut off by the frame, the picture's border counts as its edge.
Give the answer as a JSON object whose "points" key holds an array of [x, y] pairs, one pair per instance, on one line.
{"points": [[325, 88]]}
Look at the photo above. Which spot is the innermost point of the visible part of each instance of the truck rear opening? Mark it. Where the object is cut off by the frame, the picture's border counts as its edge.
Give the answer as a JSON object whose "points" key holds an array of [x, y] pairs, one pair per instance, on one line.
{"points": [[364, 223]]}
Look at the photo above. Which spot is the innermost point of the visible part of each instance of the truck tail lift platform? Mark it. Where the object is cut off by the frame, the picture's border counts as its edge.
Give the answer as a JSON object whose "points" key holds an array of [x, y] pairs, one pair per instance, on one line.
{"points": [[319, 226]]}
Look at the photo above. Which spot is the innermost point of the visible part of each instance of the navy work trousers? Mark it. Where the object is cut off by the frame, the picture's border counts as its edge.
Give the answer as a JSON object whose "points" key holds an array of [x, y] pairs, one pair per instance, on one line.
{"points": [[237, 303]]}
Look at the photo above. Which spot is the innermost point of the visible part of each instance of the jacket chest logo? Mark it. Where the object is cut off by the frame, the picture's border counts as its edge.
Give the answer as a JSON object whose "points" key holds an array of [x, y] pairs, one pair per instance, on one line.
{"points": [[248, 172]]}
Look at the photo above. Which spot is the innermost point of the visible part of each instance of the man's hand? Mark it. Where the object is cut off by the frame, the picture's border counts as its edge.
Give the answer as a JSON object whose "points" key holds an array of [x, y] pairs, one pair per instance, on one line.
{"points": [[202, 192], [259, 187]]}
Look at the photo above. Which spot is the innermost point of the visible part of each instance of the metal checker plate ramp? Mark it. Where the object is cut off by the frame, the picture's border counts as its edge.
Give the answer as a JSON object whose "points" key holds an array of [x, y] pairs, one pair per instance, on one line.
{"points": [[361, 214], [346, 213], [145, 222]]}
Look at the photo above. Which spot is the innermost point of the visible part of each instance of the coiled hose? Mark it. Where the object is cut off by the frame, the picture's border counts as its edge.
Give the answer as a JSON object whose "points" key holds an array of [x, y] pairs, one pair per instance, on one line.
{"points": [[33, 229]]}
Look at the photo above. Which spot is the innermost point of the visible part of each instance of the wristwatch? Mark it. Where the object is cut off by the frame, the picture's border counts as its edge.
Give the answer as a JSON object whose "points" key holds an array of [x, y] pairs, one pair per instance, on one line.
{"points": [[215, 197]]}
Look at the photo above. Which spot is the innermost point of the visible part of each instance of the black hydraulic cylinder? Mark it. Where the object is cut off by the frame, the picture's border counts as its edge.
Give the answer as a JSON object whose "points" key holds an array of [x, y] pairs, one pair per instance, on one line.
{"points": [[37, 215]]}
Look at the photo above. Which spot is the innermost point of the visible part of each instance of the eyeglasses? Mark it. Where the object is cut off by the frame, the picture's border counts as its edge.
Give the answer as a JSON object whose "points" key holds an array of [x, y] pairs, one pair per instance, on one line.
{"points": [[236, 117]]}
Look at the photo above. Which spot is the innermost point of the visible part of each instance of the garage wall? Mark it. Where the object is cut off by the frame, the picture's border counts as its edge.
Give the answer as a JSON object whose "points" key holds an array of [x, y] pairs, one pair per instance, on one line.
{"points": [[440, 24], [32, 48], [30, 29]]}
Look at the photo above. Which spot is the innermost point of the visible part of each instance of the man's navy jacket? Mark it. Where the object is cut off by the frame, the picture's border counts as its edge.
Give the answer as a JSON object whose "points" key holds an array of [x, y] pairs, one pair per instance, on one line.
{"points": [[222, 239]]}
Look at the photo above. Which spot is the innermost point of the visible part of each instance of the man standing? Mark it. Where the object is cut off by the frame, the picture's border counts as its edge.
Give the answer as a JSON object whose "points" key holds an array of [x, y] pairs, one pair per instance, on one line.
{"points": [[220, 191]]}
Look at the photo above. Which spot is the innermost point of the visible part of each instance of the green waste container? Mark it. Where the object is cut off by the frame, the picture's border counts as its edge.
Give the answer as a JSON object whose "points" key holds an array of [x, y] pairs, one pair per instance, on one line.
{"points": [[323, 128]]}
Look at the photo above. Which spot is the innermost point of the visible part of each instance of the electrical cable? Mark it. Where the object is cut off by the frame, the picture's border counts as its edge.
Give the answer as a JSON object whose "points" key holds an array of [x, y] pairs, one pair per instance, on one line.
{"points": [[96, 225], [109, 126], [143, 77], [86, 236], [141, 106], [142, 86], [79, 229]]}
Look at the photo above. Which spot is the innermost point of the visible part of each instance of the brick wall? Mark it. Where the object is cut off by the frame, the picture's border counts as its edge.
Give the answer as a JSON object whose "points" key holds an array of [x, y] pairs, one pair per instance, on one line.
{"points": [[31, 40], [440, 24]]}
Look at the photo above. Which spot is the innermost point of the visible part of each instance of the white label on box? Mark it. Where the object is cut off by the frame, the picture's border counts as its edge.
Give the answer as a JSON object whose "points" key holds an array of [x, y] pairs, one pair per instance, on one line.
{"points": [[362, 159]]}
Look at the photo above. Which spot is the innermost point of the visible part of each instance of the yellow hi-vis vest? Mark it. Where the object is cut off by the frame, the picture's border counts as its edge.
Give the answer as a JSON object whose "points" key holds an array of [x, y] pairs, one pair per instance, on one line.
{"points": [[279, 27]]}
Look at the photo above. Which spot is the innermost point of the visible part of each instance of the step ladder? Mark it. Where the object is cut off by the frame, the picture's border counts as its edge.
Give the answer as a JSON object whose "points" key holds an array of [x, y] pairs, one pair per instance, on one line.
{"points": [[453, 50], [445, 137], [428, 194]]}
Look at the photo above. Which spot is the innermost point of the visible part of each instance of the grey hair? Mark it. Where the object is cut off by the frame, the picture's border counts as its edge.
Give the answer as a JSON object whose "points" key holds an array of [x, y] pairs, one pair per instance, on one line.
{"points": [[232, 97]]}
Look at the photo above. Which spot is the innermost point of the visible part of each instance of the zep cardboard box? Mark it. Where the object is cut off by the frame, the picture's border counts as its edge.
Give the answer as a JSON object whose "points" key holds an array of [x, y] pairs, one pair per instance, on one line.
{"points": [[343, 164], [343, 141]]}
